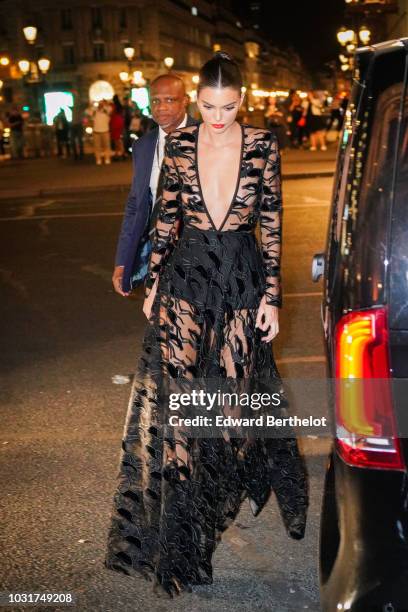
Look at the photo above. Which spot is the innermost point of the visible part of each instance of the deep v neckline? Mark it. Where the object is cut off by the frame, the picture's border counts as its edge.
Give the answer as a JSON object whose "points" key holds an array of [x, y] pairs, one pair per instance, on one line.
{"points": [[236, 185]]}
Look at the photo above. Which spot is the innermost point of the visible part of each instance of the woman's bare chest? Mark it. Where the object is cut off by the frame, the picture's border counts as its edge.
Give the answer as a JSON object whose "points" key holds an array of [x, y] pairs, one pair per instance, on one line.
{"points": [[219, 172]]}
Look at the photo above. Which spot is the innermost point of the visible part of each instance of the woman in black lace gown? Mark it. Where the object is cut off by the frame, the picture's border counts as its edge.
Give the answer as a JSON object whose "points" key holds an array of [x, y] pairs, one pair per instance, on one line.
{"points": [[212, 299]]}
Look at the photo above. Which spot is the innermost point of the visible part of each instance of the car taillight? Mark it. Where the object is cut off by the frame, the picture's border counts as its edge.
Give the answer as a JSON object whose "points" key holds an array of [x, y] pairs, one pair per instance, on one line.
{"points": [[366, 433]]}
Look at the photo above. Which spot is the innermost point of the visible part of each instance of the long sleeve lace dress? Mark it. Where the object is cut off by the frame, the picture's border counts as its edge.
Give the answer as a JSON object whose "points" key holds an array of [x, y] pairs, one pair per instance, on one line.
{"points": [[176, 498]]}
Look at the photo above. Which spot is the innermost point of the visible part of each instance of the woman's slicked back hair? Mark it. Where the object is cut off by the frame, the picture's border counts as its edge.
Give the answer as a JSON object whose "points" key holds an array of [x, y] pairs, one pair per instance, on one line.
{"points": [[220, 71]]}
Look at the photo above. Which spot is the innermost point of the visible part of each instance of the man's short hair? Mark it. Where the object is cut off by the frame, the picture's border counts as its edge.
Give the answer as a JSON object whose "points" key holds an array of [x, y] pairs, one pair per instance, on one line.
{"points": [[161, 77]]}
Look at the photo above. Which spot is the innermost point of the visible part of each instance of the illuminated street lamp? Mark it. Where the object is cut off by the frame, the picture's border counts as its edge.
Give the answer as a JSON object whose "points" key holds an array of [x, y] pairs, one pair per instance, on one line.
{"points": [[138, 79], [129, 53], [195, 78], [31, 69], [349, 39], [4, 61], [342, 36], [169, 62], [365, 35], [124, 76], [30, 33], [44, 64], [24, 66], [345, 36]]}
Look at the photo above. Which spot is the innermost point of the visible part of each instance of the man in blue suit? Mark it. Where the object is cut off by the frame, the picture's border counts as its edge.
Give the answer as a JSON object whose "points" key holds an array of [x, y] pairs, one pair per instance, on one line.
{"points": [[168, 102]]}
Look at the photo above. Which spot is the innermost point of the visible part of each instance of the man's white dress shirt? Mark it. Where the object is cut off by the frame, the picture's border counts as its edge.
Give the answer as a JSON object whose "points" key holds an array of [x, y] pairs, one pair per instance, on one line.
{"points": [[158, 158]]}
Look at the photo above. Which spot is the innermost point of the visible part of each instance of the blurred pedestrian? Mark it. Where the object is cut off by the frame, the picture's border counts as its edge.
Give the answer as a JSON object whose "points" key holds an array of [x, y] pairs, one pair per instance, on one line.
{"points": [[276, 123], [117, 126], [101, 132], [296, 123], [135, 128], [61, 126], [16, 124], [315, 121], [77, 130], [147, 124]]}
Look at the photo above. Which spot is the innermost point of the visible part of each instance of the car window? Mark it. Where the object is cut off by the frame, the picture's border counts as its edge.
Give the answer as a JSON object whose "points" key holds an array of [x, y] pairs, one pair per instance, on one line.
{"points": [[398, 298], [365, 217], [342, 179]]}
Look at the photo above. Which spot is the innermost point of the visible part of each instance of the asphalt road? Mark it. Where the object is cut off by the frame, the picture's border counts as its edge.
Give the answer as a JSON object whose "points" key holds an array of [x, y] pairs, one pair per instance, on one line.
{"points": [[65, 335]]}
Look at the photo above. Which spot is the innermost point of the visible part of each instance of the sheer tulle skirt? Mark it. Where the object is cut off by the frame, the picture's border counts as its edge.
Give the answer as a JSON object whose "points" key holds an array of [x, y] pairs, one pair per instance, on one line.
{"points": [[176, 495]]}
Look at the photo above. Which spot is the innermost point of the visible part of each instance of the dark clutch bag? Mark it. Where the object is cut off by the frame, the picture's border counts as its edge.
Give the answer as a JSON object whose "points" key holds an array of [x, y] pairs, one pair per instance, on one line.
{"points": [[141, 262]]}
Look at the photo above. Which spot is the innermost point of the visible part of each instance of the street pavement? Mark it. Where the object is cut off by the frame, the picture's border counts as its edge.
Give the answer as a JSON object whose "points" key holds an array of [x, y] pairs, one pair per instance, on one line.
{"points": [[54, 176], [66, 336]]}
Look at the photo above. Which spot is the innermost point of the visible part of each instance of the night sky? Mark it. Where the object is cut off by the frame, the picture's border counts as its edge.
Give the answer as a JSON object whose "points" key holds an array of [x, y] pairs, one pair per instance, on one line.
{"points": [[309, 26]]}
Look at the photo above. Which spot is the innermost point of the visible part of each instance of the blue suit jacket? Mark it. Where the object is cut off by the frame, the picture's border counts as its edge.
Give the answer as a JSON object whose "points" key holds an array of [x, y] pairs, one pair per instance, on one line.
{"points": [[138, 203]]}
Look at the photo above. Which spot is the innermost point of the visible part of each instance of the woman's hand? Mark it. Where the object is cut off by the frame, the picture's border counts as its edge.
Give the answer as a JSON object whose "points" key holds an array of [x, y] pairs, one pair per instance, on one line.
{"points": [[269, 315], [148, 302]]}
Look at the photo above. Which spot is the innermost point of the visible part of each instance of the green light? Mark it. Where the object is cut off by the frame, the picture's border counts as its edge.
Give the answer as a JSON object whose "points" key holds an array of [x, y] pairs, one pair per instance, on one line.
{"points": [[54, 101], [140, 96], [26, 108]]}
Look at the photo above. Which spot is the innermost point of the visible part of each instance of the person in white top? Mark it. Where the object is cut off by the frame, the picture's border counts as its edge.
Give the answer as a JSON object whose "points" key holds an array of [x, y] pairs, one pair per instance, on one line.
{"points": [[101, 133]]}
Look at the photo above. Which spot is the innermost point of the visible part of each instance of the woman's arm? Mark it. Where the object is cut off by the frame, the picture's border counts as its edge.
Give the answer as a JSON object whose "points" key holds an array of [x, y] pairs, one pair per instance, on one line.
{"points": [[167, 218], [271, 224]]}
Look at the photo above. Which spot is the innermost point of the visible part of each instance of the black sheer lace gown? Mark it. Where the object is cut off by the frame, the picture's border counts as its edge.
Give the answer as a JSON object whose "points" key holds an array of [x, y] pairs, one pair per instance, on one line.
{"points": [[176, 497]]}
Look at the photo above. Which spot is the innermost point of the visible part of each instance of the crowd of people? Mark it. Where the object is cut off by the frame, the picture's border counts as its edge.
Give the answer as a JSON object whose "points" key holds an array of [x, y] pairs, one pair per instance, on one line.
{"points": [[306, 122], [299, 122], [114, 126]]}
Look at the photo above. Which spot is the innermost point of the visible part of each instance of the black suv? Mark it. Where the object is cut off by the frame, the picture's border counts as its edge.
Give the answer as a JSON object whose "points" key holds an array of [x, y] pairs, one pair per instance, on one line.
{"points": [[364, 523]]}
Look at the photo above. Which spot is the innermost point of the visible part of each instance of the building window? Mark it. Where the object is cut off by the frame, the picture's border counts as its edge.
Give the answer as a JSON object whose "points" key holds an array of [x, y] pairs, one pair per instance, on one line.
{"points": [[140, 20], [122, 19], [66, 19], [96, 17], [98, 51], [194, 11], [68, 54]]}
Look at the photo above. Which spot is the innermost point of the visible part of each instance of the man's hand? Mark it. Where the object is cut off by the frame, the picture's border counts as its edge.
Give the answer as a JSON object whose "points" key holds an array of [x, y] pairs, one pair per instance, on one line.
{"points": [[117, 280], [269, 313]]}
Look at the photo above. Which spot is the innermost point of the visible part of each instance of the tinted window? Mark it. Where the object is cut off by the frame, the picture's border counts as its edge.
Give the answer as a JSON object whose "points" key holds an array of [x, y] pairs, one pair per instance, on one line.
{"points": [[366, 212], [398, 267], [341, 180]]}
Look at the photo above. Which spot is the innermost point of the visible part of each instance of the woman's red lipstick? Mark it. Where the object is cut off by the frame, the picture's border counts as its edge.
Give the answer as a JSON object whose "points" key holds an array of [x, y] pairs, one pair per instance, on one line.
{"points": [[218, 125]]}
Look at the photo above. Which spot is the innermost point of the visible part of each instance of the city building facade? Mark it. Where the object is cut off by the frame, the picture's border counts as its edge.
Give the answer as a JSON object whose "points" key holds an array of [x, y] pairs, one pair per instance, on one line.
{"points": [[84, 41]]}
